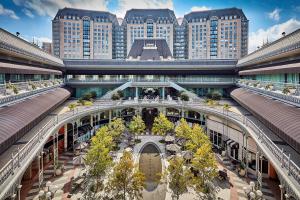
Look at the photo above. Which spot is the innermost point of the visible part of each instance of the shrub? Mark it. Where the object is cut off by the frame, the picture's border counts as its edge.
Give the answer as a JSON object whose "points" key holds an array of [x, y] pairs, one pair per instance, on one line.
{"points": [[286, 90], [184, 97], [120, 93], [94, 94], [87, 96], [72, 106], [87, 103], [216, 96], [115, 96]]}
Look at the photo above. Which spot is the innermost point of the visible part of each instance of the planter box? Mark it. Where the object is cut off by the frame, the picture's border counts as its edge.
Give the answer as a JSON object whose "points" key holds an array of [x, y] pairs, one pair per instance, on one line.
{"points": [[9, 92], [292, 91]]}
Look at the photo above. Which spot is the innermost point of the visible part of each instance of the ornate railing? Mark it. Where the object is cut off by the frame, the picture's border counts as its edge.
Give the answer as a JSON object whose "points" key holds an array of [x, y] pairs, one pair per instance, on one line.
{"points": [[289, 168]]}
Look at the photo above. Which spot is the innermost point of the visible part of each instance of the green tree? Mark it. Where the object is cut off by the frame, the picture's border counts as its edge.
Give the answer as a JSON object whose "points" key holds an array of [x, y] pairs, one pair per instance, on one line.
{"points": [[116, 128], [162, 125], [72, 106], [137, 125], [183, 130], [205, 165], [126, 181], [197, 138], [98, 158], [179, 176]]}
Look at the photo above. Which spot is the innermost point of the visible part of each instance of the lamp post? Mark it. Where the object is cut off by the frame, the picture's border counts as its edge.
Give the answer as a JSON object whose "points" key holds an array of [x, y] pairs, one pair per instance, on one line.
{"points": [[252, 193]]}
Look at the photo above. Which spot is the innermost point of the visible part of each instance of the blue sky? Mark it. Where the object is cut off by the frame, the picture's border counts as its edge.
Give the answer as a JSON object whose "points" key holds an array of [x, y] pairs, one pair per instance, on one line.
{"points": [[267, 18]]}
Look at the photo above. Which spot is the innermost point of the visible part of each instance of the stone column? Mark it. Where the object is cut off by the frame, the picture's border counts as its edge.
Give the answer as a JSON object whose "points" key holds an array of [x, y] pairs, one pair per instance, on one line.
{"points": [[66, 137], [182, 113], [137, 92], [281, 192], [19, 191], [92, 121], [109, 115], [163, 93]]}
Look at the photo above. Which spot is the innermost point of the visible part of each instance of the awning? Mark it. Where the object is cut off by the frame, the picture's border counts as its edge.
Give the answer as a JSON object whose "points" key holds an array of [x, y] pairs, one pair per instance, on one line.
{"points": [[232, 144], [281, 69], [9, 68]]}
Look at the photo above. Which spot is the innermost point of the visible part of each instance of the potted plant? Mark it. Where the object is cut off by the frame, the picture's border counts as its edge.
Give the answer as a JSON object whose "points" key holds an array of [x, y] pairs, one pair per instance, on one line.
{"points": [[59, 169], [115, 96], [242, 170], [269, 86], [255, 84], [9, 88], [286, 91], [184, 97], [292, 89]]}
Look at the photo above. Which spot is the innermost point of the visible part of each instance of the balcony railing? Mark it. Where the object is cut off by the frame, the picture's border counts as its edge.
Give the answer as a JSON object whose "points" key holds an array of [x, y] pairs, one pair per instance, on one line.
{"points": [[199, 80], [288, 168], [25, 89], [273, 89]]}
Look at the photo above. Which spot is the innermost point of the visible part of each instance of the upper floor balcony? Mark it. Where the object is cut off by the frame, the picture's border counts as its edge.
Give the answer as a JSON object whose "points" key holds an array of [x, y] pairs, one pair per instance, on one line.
{"points": [[286, 92], [10, 92], [192, 80]]}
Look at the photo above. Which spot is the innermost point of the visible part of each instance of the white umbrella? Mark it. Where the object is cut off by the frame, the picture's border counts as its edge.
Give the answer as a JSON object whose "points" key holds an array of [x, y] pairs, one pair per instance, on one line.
{"points": [[173, 148], [169, 138]]}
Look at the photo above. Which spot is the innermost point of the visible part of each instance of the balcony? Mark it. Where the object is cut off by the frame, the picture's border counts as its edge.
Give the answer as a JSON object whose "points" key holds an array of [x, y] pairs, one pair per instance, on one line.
{"points": [[179, 80], [286, 92], [10, 92]]}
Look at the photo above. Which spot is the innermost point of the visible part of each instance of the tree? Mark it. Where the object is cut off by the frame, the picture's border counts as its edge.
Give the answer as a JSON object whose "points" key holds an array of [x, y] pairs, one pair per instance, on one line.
{"points": [[126, 181], [137, 125], [162, 125], [178, 176], [98, 158], [183, 130], [197, 138], [72, 106], [226, 107], [116, 128], [205, 168]]}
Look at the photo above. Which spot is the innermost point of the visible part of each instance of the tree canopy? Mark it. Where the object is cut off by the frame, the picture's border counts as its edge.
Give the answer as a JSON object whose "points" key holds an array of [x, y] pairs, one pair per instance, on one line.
{"points": [[183, 130], [137, 125], [196, 138], [162, 125], [179, 176], [126, 181], [116, 127]]}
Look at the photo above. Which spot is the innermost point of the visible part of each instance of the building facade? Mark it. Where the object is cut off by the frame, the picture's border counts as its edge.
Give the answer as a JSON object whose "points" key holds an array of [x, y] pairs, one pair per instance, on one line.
{"points": [[47, 46], [214, 34], [82, 34]]}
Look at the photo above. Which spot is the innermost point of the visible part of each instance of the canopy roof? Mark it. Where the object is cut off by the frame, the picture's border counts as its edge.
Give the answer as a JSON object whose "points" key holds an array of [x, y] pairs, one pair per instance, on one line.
{"points": [[9, 68]]}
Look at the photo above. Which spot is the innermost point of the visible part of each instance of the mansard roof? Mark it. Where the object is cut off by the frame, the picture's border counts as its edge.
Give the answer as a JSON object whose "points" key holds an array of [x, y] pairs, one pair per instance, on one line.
{"points": [[207, 14], [154, 14]]}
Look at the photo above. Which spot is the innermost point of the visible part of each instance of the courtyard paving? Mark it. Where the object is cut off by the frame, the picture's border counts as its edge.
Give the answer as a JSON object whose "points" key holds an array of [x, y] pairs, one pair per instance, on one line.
{"points": [[227, 190]]}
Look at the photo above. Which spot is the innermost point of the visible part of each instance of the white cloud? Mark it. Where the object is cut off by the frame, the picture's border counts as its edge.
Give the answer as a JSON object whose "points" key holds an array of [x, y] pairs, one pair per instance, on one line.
{"points": [[275, 14], [8, 12], [124, 5], [50, 7], [28, 13], [200, 8], [272, 33]]}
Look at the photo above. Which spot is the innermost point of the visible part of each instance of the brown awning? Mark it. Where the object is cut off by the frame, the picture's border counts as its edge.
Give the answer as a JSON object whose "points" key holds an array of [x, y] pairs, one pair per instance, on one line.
{"points": [[282, 119], [288, 68], [16, 120], [9, 68]]}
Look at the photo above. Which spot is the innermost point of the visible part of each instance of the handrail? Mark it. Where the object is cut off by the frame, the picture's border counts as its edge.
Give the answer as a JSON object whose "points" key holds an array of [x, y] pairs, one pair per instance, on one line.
{"points": [[12, 98], [292, 169]]}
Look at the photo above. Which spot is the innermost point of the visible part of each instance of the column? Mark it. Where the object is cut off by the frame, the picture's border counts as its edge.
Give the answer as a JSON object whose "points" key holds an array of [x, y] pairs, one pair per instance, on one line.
{"points": [[66, 137], [73, 132], [281, 191], [92, 121], [19, 191], [109, 115], [182, 113], [163, 93], [137, 92]]}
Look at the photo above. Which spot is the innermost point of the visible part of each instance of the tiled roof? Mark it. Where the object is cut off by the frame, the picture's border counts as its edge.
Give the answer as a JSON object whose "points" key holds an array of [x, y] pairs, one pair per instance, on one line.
{"points": [[281, 118], [137, 49]]}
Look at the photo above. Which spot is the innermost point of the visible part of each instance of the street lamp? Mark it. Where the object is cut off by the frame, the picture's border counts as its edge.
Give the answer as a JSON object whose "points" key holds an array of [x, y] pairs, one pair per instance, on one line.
{"points": [[252, 193]]}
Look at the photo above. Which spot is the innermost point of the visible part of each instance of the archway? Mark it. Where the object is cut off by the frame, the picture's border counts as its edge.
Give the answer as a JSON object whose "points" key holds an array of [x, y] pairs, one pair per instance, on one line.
{"points": [[148, 115]]}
